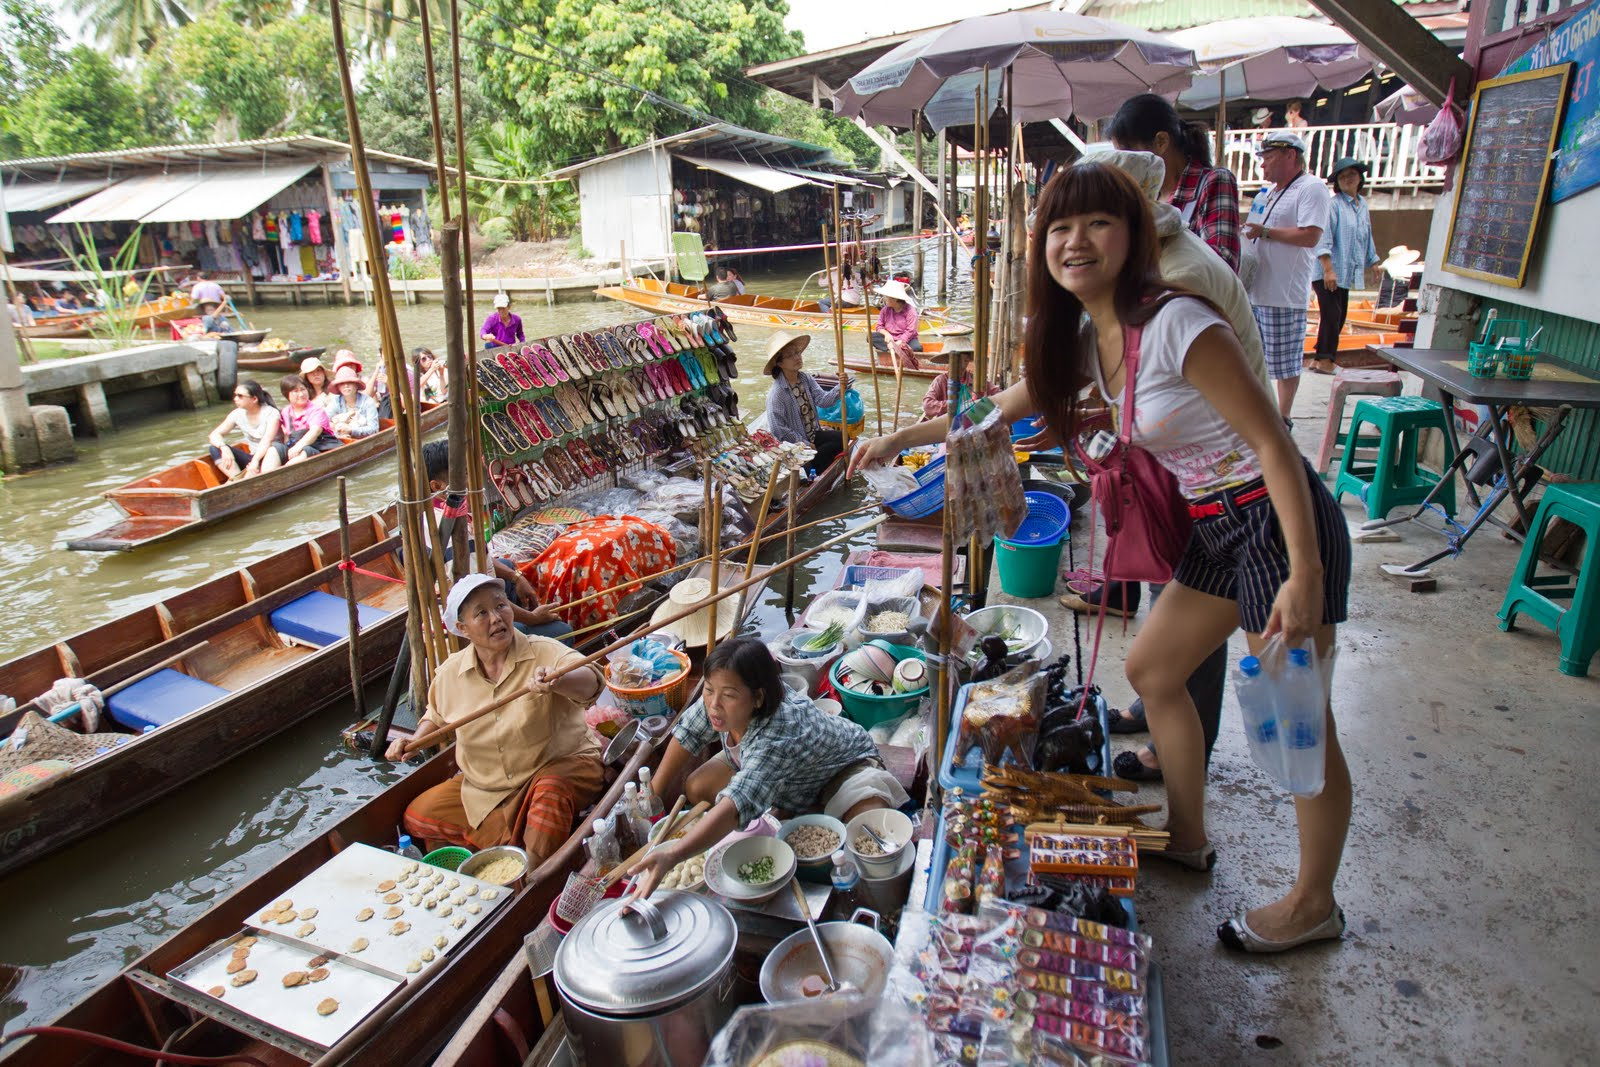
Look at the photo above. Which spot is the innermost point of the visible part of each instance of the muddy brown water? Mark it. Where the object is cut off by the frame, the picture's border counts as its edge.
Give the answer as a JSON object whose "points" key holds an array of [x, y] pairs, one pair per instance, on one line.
{"points": [[79, 916]]}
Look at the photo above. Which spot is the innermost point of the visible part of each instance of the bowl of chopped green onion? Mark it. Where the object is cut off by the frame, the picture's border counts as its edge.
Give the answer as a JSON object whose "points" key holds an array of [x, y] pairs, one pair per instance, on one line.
{"points": [[751, 869], [814, 644]]}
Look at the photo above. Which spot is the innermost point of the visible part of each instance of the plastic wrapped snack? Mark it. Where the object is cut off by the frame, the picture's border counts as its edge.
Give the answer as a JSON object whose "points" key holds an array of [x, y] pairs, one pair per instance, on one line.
{"points": [[1002, 716], [839, 1031]]}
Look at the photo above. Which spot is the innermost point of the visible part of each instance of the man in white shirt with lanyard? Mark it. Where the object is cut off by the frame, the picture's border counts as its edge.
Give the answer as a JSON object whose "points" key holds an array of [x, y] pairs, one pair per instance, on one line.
{"points": [[1286, 220]]}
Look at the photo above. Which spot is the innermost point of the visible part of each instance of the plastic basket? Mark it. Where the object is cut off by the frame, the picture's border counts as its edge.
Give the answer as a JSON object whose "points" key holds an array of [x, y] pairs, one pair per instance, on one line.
{"points": [[926, 500], [1517, 363], [663, 698], [860, 574], [1503, 350], [1027, 571], [867, 710], [1047, 520], [448, 858]]}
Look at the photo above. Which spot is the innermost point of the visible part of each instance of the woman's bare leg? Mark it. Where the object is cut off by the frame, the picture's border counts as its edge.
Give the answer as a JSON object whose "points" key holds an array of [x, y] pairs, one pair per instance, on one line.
{"points": [[270, 461], [1324, 821], [1184, 627], [707, 780]]}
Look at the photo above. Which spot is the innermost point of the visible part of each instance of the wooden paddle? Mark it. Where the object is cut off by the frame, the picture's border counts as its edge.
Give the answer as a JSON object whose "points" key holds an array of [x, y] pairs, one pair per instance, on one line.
{"points": [[418, 743]]}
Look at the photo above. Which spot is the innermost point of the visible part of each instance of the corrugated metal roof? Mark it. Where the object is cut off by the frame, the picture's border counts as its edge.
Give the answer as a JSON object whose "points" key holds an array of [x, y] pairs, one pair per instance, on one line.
{"points": [[726, 140], [28, 195], [230, 193], [1181, 14]]}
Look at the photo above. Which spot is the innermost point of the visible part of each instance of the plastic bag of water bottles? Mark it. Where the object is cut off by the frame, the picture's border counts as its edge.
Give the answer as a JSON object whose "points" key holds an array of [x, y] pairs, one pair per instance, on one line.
{"points": [[1283, 695]]}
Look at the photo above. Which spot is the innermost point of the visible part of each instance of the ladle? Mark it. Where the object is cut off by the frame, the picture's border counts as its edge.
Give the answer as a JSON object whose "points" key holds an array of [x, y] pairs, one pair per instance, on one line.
{"points": [[834, 985]]}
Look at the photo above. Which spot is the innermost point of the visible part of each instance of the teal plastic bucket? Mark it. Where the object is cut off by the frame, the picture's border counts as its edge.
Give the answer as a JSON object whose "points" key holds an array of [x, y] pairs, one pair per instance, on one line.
{"points": [[1027, 571]]}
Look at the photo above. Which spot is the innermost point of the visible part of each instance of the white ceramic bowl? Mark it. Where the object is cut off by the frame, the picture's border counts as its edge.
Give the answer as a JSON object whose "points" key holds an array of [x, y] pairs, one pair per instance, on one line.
{"points": [[722, 869], [827, 822], [1030, 625], [893, 826]]}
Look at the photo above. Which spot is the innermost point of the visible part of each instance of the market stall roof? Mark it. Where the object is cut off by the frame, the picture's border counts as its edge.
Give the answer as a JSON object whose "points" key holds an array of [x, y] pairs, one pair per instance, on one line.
{"points": [[824, 176], [130, 199], [230, 193], [35, 274], [721, 140], [261, 152], [773, 181], [30, 195]]}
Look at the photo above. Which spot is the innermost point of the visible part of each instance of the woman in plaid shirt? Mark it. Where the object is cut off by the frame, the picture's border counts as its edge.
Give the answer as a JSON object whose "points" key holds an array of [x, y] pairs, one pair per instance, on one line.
{"points": [[1206, 196]]}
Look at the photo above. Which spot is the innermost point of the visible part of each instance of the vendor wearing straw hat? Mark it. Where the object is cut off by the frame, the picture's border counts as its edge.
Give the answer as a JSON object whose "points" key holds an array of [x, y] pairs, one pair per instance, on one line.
{"points": [[696, 627], [1344, 254], [938, 400], [778, 752], [526, 769], [897, 323], [795, 399]]}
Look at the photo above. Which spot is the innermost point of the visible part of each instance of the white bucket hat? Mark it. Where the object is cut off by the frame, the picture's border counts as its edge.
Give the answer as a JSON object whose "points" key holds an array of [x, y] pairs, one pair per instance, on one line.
{"points": [[465, 587], [502, 300], [693, 630], [897, 290]]}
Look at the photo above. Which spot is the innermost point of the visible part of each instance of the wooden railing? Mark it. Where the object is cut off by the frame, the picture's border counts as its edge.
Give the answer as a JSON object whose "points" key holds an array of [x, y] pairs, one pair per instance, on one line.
{"points": [[1389, 150]]}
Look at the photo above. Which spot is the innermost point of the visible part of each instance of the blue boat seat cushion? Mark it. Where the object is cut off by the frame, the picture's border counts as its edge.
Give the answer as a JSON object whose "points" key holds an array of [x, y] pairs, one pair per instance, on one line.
{"points": [[320, 619], [157, 700]]}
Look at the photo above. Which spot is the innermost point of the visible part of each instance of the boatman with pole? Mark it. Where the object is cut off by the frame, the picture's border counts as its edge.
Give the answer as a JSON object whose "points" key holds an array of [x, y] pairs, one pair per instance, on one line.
{"points": [[527, 768]]}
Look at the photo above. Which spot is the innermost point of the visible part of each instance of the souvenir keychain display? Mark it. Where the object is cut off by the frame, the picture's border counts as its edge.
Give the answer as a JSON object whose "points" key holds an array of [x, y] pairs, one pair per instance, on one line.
{"points": [[984, 482]]}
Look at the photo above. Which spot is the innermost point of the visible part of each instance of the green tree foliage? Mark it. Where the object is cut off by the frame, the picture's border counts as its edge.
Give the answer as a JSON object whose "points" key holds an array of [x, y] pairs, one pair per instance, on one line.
{"points": [[535, 212], [30, 48], [131, 27], [88, 106], [783, 114], [543, 70], [219, 78], [394, 98]]}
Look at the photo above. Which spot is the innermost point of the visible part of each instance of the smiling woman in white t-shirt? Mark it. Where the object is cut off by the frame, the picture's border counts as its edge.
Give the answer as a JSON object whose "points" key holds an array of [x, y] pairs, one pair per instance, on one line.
{"points": [[257, 421], [1269, 553]]}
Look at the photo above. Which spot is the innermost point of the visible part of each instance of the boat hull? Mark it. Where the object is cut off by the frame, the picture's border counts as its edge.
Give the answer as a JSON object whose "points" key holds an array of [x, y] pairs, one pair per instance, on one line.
{"points": [[772, 312], [191, 495]]}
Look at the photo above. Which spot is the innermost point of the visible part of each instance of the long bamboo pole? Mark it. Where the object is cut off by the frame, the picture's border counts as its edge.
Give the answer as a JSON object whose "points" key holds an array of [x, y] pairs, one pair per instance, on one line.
{"points": [[755, 533], [788, 543], [916, 205], [357, 676], [838, 320], [476, 467], [944, 273], [716, 565], [418, 743], [983, 297], [872, 354]]}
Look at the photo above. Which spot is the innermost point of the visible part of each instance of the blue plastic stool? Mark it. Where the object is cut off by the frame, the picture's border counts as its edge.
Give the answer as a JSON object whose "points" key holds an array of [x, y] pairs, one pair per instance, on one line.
{"points": [[1394, 479], [1568, 605]]}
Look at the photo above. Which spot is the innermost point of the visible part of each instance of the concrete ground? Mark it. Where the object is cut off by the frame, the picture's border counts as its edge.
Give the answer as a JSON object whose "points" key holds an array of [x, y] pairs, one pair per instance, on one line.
{"points": [[1467, 880]]}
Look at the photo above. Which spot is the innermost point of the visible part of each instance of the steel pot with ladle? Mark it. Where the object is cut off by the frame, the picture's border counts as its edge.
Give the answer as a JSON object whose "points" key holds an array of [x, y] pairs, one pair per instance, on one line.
{"points": [[860, 956]]}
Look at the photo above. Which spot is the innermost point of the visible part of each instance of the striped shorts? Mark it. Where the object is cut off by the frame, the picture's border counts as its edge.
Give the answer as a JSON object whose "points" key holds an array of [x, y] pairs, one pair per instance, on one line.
{"points": [[1283, 338], [1240, 555]]}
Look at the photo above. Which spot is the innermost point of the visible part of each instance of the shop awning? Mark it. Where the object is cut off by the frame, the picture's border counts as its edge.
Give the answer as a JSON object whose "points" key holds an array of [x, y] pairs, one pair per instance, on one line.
{"points": [[38, 196], [823, 176], [229, 194], [130, 199], [773, 181]]}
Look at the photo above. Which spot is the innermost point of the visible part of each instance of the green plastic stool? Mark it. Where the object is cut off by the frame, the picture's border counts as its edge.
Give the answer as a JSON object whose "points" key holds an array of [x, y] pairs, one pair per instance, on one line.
{"points": [[1394, 479], [1577, 620]]}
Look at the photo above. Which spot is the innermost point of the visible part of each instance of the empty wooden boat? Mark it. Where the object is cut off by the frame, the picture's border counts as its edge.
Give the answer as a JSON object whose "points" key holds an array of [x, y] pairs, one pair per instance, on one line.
{"points": [[752, 309]]}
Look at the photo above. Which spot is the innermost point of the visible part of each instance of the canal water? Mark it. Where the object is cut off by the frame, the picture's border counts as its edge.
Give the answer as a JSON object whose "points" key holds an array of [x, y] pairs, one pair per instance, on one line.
{"points": [[77, 917]]}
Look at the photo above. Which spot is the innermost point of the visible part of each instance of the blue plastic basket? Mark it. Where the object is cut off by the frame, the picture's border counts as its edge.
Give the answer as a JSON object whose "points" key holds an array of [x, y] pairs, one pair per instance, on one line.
{"points": [[1048, 518], [860, 574], [926, 500], [1024, 427]]}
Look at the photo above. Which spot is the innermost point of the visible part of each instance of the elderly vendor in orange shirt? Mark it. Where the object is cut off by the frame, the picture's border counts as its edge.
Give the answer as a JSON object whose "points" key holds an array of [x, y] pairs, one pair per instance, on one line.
{"points": [[526, 769]]}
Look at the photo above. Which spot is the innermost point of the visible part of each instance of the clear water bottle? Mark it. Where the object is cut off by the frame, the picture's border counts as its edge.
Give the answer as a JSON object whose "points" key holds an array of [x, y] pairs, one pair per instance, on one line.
{"points": [[647, 793], [846, 884], [603, 848], [636, 814], [1254, 692], [1301, 718], [407, 849]]}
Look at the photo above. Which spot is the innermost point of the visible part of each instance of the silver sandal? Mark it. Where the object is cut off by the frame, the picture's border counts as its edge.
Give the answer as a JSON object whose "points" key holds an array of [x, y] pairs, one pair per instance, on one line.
{"points": [[1237, 935]]}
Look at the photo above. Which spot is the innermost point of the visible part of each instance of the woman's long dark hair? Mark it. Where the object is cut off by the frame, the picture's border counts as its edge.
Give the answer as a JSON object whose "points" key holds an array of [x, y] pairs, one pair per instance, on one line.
{"points": [[253, 387], [1056, 348], [1141, 117], [753, 663]]}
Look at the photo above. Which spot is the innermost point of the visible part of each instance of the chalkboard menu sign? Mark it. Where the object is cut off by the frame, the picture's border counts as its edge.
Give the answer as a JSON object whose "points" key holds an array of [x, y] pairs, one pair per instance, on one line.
{"points": [[1504, 178]]}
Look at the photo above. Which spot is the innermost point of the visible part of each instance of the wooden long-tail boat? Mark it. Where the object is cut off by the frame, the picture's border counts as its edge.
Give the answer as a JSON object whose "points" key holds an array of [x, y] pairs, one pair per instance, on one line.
{"points": [[143, 1005], [82, 323], [752, 309], [261, 648], [193, 494], [269, 361]]}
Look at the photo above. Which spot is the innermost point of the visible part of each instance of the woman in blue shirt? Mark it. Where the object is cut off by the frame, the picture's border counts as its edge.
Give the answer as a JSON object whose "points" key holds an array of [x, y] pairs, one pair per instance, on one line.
{"points": [[1345, 252]]}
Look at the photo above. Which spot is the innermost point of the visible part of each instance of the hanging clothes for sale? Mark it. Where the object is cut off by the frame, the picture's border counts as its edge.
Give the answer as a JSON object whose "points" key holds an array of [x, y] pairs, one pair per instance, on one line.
{"points": [[397, 223], [314, 226], [297, 231], [285, 241], [211, 233], [258, 230], [421, 231], [269, 228]]}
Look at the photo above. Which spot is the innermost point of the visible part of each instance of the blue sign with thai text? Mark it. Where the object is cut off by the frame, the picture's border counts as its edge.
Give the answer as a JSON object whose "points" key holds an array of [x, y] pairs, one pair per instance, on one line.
{"points": [[1575, 41]]}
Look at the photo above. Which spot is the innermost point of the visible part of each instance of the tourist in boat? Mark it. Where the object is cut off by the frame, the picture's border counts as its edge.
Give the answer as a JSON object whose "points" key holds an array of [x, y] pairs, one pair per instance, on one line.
{"points": [[66, 301], [211, 321], [779, 751], [1207, 197], [1344, 256], [1270, 552], [257, 422], [435, 376], [937, 401], [528, 769], [795, 399], [737, 280], [21, 312], [315, 376], [305, 430], [897, 324], [720, 288], [206, 291], [351, 412], [501, 327]]}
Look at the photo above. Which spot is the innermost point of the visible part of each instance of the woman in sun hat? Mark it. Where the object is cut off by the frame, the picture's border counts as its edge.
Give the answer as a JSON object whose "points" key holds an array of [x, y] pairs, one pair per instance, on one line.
{"points": [[779, 752], [795, 399], [897, 323], [528, 769], [352, 413], [1344, 254], [315, 375]]}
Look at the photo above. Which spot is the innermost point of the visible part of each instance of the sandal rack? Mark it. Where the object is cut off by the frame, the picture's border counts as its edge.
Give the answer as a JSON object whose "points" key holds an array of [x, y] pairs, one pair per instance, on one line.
{"points": [[561, 412]]}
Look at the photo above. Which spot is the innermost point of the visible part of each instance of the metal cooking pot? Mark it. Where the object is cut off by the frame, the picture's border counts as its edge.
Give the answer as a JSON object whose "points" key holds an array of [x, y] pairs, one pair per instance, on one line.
{"points": [[648, 983], [859, 956]]}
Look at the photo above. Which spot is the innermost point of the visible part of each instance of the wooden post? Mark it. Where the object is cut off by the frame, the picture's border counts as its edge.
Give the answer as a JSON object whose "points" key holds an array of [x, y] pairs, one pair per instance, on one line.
{"points": [[916, 206], [838, 319], [944, 273], [788, 542], [357, 675], [341, 247], [716, 564]]}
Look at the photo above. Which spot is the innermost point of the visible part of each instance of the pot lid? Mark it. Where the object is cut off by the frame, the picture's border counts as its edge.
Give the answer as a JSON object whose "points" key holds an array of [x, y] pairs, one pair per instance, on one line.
{"points": [[645, 957]]}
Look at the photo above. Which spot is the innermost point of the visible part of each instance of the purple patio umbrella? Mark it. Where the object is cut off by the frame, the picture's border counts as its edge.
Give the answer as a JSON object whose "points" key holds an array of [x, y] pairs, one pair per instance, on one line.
{"points": [[1061, 65]]}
